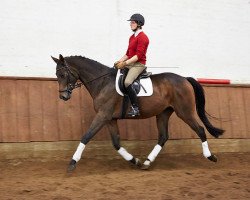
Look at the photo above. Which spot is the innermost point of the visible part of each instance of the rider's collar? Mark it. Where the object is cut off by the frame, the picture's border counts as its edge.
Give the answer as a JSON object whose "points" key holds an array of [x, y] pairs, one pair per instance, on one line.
{"points": [[137, 32]]}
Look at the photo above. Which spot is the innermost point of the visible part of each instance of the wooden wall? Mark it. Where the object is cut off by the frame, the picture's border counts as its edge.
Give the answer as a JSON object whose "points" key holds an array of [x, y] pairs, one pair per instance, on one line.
{"points": [[30, 110]]}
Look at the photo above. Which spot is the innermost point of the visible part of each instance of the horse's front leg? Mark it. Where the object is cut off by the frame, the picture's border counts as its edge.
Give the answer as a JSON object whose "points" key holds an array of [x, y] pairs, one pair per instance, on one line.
{"points": [[99, 121], [114, 132]]}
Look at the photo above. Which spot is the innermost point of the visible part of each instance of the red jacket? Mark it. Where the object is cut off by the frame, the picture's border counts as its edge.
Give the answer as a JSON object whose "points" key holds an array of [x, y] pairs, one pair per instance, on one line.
{"points": [[138, 46]]}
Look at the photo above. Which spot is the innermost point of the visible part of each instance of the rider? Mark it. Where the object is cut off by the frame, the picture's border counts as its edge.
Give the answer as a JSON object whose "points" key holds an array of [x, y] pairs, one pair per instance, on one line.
{"points": [[134, 59]]}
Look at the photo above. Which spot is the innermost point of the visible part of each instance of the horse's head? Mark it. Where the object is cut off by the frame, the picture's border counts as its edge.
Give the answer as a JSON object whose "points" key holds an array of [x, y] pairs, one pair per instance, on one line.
{"points": [[66, 77]]}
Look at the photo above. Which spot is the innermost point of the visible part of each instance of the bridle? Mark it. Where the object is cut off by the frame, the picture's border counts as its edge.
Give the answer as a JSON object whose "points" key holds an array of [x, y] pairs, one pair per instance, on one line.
{"points": [[71, 87]]}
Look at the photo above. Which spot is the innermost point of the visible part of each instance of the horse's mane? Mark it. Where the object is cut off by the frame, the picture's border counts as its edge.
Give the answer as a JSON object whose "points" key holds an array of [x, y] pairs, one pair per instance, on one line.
{"points": [[79, 59]]}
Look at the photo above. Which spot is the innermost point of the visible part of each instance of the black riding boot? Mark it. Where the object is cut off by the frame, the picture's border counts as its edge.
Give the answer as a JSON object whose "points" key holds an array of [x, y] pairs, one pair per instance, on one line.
{"points": [[134, 102]]}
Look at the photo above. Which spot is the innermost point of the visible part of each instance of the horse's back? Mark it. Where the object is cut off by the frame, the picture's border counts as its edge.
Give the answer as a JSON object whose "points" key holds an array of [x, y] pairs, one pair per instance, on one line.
{"points": [[172, 85], [169, 77]]}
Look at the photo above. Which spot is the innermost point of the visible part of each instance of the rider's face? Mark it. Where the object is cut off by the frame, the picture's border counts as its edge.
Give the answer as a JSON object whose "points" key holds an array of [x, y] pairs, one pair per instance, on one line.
{"points": [[133, 25]]}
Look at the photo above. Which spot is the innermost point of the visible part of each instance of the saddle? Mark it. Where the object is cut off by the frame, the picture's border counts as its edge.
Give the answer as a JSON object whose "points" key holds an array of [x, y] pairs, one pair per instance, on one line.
{"points": [[137, 86], [142, 85]]}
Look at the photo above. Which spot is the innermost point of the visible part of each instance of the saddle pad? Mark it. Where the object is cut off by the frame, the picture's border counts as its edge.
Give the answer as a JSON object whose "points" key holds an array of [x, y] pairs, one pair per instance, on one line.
{"points": [[145, 82]]}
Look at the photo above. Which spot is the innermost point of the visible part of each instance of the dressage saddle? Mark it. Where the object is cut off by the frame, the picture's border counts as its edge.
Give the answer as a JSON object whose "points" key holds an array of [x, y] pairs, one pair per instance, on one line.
{"points": [[136, 84]]}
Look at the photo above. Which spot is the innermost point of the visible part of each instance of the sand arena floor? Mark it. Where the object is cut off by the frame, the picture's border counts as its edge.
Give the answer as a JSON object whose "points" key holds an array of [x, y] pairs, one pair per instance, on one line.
{"points": [[172, 176]]}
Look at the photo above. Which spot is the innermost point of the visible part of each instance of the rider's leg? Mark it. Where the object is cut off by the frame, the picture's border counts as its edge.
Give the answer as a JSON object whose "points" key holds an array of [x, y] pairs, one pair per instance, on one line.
{"points": [[134, 71], [134, 101]]}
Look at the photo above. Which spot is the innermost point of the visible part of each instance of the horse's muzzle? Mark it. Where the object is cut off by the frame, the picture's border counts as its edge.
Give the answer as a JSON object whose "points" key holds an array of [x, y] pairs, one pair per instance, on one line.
{"points": [[65, 96]]}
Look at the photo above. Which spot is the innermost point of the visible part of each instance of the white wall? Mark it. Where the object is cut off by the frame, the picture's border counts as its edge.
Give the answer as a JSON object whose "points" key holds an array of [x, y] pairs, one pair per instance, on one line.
{"points": [[199, 38]]}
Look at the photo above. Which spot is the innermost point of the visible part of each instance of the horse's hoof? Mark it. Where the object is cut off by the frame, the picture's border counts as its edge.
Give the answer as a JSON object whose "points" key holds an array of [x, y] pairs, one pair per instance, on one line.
{"points": [[72, 166], [145, 167], [138, 162], [212, 158]]}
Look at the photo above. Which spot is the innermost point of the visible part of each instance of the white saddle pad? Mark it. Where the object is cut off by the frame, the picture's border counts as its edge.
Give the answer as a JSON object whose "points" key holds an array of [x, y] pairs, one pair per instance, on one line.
{"points": [[145, 82]]}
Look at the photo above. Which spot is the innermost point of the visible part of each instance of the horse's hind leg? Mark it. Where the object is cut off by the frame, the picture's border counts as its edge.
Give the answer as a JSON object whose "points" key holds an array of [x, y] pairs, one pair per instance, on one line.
{"points": [[192, 122], [162, 125], [114, 132]]}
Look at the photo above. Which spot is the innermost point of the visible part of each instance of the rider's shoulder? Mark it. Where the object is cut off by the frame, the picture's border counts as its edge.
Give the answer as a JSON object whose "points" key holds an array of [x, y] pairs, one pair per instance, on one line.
{"points": [[143, 36]]}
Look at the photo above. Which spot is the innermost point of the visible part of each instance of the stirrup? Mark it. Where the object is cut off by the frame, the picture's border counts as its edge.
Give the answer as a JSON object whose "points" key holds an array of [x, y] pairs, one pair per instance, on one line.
{"points": [[134, 111]]}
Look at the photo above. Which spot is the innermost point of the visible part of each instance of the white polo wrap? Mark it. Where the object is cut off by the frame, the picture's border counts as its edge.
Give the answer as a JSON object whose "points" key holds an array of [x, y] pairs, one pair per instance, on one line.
{"points": [[127, 156], [78, 154], [205, 149], [154, 152]]}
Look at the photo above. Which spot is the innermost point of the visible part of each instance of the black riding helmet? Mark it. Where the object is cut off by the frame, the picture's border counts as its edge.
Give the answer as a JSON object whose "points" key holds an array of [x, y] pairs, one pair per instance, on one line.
{"points": [[138, 18]]}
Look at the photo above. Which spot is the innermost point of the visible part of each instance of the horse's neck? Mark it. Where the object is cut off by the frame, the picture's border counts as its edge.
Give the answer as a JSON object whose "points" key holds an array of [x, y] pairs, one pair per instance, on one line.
{"points": [[91, 74]]}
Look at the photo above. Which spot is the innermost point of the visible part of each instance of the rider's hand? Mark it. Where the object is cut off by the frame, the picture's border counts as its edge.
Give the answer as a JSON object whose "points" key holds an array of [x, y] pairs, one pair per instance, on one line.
{"points": [[116, 63], [121, 65]]}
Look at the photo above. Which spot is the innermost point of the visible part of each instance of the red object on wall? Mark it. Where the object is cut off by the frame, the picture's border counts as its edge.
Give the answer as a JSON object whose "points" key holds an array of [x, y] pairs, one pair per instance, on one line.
{"points": [[213, 81]]}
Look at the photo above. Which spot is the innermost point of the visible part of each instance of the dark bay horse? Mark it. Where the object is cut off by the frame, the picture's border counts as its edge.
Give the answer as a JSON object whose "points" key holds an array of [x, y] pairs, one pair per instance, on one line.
{"points": [[172, 93]]}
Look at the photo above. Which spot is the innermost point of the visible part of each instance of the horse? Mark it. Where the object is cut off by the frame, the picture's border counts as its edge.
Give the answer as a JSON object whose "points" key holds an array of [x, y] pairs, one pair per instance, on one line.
{"points": [[171, 93]]}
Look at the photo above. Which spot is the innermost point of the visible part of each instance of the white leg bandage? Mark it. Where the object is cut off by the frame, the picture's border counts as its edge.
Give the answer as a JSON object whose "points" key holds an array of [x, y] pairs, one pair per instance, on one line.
{"points": [[77, 155], [154, 152], [205, 149], [127, 156]]}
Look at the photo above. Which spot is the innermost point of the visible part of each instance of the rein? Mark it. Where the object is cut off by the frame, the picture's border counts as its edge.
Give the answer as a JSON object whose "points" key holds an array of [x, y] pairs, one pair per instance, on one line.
{"points": [[97, 78], [71, 87]]}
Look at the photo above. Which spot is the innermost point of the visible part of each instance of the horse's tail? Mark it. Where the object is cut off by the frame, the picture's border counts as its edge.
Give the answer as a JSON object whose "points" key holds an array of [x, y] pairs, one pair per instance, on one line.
{"points": [[200, 107]]}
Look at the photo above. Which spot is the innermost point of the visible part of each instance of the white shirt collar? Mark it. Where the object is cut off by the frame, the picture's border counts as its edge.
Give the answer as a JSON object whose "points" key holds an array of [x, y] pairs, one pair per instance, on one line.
{"points": [[137, 32]]}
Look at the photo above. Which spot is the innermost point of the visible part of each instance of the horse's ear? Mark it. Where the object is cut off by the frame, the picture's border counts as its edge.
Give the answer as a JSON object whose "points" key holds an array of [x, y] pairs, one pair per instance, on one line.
{"points": [[61, 58], [55, 59]]}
